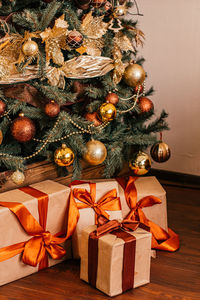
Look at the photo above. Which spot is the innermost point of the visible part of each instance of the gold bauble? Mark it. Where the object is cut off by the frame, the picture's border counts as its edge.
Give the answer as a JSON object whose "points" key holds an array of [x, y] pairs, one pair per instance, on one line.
{"points": [[134, 75], [63, 156], [18, 177], [107, 112], [119, 11], [30, 48], [140, 164], [95, 153], [160, 152]]}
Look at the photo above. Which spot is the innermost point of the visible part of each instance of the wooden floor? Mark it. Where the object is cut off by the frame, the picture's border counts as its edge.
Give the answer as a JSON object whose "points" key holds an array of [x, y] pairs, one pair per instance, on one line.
{"points": [[173, 275]]}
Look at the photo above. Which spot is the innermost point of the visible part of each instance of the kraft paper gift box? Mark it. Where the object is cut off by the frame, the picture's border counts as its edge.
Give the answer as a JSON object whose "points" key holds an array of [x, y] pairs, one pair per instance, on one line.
{"points": [[89, 213], [12, 232], [146, 186], [108, 265]]}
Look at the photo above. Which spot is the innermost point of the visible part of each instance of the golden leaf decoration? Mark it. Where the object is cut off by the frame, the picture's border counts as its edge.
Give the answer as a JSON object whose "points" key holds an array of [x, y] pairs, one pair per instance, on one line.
{"points": [[93, 47], [139, 35], [123, 42], [93, 27], [119, 67], [55, 40]]}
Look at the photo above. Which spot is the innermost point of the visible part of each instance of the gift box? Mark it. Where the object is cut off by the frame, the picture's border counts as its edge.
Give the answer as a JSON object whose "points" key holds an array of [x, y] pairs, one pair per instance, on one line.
{"points": [[143, 187], [117, 261], [32, 225], [91, 200]]}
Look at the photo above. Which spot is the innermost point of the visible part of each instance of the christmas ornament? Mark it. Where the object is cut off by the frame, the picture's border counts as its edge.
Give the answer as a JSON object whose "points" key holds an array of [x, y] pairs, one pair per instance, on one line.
{"points": [[119, 11], [23, 129], [2, 107], [160, 152], [98, 3], [93, 27], [74, 39], [134, 75], [95, 152], [140, 164], [145, 104], [107, 112], [139, 88], [108, 7], [112, 98], [1, 137], [92, 117], [18, 177], [63, 156], [30, 48], [78, 88], [52, 109], [83, 4], [55, 40]]}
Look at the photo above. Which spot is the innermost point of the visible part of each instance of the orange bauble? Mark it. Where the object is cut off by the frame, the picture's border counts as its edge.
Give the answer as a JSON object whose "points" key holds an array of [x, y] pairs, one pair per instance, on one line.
{"points": [[145, 104], [52, 109], [2, 107], [23, 129], [112, 98], [92, 117]]}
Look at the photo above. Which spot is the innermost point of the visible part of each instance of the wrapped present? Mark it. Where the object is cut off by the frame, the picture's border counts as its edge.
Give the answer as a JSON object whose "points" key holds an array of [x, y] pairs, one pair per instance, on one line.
{"points": [[32, 227], [88, 200], [144, 199], [114, 260]]}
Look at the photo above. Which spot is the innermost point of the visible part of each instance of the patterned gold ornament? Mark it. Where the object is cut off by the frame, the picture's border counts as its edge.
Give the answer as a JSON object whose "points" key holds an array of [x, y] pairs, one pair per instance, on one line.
{"points": [[107, 112], [134, 75], [18, 177], [30, 48], [160, 152], [63, 156], [140, 164], [95, 153], [120, 11]]}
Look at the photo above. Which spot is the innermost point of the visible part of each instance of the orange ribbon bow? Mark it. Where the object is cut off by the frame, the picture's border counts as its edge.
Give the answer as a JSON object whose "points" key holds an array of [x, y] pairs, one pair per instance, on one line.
{"points": [[109, 201], [161, 239], [42, 242]]}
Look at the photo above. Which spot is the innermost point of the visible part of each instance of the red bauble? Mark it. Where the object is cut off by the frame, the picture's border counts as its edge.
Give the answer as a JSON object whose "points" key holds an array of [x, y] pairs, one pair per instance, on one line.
{"points": [[98, 3], [78, 88], [140, 88], [2, 107], [145, 104], [112, 98], [108, 7], [52, 109], [74, 39], [23, 129], [92, 117]]}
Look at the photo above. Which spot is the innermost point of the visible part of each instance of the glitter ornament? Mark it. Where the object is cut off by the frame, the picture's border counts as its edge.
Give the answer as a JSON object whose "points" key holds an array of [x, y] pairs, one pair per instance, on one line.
{"points": [[23, 129], [30, 48], [18, 177]]}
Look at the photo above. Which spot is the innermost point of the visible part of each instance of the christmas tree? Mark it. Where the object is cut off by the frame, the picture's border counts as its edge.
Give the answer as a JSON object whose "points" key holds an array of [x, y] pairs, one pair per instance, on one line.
{"points": [[72, 85]]}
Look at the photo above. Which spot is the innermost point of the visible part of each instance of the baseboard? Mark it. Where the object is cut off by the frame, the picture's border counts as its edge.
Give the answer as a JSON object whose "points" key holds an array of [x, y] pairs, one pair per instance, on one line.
{"points": [[176, 178]]}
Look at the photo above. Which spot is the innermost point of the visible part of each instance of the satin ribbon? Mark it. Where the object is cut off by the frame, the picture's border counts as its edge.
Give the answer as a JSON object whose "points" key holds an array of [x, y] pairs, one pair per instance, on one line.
{"points": [[42, 242], [109, 202], [162, 240]]}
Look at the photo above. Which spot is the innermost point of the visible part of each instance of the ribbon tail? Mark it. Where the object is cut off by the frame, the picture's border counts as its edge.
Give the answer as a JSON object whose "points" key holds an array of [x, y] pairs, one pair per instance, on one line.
{"points": [[171, 244], [34, 251], [56, 251]]}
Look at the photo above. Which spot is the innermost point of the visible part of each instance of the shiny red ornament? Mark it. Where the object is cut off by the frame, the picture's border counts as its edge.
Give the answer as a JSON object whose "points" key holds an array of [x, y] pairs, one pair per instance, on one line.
{"points": [[108, 7], [52, 109], [112, 98], [98, 3], [145, 104], [74, 39], [23, 129], [92, 117], [2, 107], [139, 88]]}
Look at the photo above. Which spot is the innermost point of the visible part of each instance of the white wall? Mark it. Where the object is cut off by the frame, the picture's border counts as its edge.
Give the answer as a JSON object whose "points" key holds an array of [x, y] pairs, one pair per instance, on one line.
{"points": [[172, 53]]}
